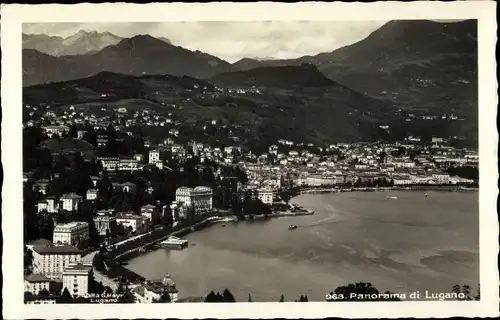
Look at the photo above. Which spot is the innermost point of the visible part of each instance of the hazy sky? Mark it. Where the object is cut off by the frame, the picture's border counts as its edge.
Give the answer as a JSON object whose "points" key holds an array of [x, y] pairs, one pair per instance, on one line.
{"points": [[234, 40]]}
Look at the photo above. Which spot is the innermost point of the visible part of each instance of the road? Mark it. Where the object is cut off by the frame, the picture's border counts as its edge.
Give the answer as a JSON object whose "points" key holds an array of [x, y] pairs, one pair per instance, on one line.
{"points": [[99, 277]]}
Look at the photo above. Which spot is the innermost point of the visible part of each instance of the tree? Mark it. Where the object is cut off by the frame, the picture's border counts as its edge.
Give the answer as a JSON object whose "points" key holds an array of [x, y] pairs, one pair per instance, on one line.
{"points": [[127, 297], [361, 291], [164, 298], [28, 296], [211, 297], [285, 196], [65, 297], [466, 292], [28, 259], [44, 293], [228, 296], [282, 298]]}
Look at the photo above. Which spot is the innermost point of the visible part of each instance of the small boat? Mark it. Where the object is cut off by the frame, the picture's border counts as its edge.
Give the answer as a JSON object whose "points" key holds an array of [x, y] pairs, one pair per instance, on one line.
{"points": [[426, 195], [223, 225], [292, 227], [392, 198]]}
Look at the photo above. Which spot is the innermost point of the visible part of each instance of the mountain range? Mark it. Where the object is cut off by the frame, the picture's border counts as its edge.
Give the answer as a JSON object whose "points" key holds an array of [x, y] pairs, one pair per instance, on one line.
{"points": [[142, 54], [82, 42], [420, 64]]}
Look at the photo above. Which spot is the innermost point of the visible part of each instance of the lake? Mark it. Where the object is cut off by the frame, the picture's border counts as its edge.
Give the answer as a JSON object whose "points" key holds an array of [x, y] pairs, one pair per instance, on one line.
{"points": [[404, 245]]}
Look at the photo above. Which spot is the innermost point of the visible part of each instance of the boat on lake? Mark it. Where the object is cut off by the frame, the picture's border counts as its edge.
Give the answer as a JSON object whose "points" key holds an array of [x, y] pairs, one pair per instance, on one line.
{"points": [[392, 198], [292, 227]]}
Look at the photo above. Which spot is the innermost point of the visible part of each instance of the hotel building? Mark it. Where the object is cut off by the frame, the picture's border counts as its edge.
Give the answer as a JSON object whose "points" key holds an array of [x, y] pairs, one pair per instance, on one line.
{"points": [[200, 198], [71, 233], [51, 261], [75, 278]]}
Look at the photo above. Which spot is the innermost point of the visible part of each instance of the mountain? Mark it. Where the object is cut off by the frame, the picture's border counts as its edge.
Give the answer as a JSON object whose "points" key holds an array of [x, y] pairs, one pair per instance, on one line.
{"points": [[80, 43], [305, 75], [165, 40], [418, 65], [84, 42], [138, 55], [43, 43]]}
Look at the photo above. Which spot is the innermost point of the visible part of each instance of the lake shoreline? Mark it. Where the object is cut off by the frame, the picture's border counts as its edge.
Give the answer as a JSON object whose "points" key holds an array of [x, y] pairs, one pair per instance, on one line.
{"points": [[316, 190], [268, 251]]}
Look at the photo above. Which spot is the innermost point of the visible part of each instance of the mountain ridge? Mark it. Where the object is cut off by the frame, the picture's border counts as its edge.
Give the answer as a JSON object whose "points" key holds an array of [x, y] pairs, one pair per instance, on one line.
{"points": [[141, 54], [79, 43]]}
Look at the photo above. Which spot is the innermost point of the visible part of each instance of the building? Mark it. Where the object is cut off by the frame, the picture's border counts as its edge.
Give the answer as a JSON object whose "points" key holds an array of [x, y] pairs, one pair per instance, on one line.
{"points": [[95, 180], [75, 278], [199, 198], [41, 186], [152, 291], [55, 130], [92, 194], [104, 223], [156, 155], [51, 261], [109, 164], [133, 222], [125, 187], [151, 213], [128, 165], [71, 233], [441, 178], [70, 201], [80, 134], [52, 204], [265, 195], [35, 283]]}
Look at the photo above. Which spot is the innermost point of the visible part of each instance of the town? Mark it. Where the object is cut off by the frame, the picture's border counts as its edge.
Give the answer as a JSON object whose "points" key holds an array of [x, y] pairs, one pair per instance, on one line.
{"points": [[96, 188]]}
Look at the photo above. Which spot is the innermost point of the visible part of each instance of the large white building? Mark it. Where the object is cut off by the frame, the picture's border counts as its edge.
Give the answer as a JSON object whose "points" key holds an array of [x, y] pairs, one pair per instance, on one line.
{"points": [[75, 278], [35, 283], [70, 201], [265, 195], [200, 198], [71, 233], [51, 261]]}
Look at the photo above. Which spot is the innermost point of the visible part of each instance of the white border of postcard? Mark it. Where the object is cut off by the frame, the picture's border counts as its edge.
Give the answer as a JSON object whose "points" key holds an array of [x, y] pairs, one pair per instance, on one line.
{"points": [[12, 219]]}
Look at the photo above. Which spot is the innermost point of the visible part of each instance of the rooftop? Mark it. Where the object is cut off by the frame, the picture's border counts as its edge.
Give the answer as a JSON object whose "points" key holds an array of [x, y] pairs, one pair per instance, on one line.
{"points": [[64, 249], [78, 267], [71, 196], [39, 242], [35, 277]]}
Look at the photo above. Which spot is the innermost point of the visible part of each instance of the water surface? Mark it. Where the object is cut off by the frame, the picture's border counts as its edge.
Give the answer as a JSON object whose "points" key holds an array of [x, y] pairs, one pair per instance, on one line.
{"points": [[413, 243]]}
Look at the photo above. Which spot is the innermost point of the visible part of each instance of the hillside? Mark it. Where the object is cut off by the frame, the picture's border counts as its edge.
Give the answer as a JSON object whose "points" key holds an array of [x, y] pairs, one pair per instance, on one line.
{"points": [[80, 43], [286, 76], [319, 114], [419, 66], [134, 56]]}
